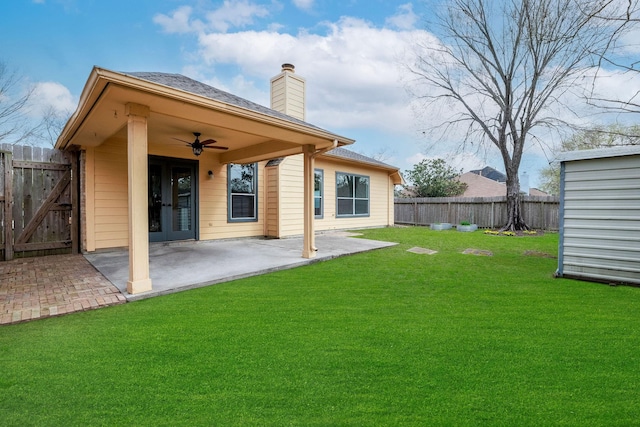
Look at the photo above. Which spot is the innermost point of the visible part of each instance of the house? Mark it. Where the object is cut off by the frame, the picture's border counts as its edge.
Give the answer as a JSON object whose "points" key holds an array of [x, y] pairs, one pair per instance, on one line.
{"points": [[480, 186], [164, 157], [488, 182], [600, 215]]}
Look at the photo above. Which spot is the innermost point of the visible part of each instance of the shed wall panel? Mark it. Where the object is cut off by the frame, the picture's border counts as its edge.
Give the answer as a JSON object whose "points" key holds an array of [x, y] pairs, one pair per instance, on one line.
{"points": [[601, 214]]}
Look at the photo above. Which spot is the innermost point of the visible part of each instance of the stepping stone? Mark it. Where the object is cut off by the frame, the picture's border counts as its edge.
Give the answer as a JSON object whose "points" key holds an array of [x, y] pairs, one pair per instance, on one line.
{"points": [[418, 250]]}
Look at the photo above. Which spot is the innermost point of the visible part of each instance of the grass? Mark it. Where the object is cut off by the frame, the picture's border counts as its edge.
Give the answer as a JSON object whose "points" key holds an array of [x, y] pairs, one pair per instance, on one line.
{"points": [[387, 337]]}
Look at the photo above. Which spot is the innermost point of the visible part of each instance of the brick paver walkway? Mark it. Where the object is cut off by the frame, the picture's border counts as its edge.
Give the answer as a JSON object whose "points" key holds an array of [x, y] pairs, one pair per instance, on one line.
{"points": [[33, 288]]}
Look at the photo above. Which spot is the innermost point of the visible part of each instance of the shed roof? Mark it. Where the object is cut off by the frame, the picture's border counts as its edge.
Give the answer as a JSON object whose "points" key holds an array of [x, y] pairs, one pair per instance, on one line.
{"points": [[599, 153]]}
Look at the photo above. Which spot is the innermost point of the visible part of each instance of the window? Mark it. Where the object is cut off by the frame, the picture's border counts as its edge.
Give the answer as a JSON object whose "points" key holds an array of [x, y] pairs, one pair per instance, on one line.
{"points": [[352, 193], [242, 187], [318, 191]]}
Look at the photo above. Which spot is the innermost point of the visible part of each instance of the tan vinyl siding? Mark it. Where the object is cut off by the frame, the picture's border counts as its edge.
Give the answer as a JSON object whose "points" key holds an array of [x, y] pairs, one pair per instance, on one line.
{"points": [[601, 214], [213, 203], [292, 196], [272, 200], [107, 225], [380, 197], [107, 200], [110, 225]]}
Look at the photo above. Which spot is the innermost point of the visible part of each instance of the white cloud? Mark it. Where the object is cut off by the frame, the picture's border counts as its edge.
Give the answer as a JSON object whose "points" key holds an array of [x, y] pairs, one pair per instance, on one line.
{"points": [[236, 14], [52, 95], [404, 19], [178, 21], [231, 14], [352, 70], [304, 4]]}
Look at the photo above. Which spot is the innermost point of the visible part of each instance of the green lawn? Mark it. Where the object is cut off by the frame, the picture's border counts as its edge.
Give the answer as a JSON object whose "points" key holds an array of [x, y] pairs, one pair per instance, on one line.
{"points": [[383, 338]]}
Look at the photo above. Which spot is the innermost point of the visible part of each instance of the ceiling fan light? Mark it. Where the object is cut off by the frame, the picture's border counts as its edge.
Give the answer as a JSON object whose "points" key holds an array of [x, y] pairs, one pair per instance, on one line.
{"points": [[197, 150]]}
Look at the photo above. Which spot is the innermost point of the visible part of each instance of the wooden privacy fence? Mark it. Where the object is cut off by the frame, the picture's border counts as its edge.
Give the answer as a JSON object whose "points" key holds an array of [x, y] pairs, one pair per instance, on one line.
{"points": [[487, 212], [38, 201]]}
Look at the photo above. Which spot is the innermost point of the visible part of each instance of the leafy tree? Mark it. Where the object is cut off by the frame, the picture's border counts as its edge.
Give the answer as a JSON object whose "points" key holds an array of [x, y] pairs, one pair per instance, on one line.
{"points": [[599, 137], [501, 68], [434, 178]]}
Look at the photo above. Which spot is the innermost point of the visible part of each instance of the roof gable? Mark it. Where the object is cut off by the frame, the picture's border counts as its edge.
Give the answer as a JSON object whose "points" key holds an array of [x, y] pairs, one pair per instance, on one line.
{"points": [[178, 81]]}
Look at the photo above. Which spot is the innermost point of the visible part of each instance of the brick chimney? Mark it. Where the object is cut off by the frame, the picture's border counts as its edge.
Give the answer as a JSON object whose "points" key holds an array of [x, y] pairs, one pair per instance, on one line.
{"points": [[288, 94]]}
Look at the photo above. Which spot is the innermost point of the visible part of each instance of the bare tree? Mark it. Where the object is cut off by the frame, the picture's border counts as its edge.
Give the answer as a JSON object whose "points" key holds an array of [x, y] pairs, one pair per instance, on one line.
{"points": [[21, 121], [622, 23], [502, 68], [13, 103]]}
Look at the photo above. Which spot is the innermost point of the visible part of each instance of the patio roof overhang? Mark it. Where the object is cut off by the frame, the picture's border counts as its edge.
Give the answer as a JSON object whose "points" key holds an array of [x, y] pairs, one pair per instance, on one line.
{"points": [[174, 113]]}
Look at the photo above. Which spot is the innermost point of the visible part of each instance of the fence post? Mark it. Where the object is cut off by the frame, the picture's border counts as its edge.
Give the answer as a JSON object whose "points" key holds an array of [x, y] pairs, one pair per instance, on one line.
{"points": [[8, 205], [74, 219], [492, 218]]}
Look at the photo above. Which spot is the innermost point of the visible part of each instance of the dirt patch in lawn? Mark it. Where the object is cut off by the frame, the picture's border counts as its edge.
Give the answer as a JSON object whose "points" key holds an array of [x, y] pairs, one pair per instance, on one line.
{"points": [[478, 252], [539, 254]]}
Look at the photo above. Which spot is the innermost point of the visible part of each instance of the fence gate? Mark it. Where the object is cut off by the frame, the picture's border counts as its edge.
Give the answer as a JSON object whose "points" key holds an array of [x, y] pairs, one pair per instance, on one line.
{"points": [[38, 201]]}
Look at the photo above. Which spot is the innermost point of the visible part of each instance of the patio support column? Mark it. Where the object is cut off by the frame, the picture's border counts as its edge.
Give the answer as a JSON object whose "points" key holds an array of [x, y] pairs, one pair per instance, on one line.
{"points": [[309, 244], [139, 280]]}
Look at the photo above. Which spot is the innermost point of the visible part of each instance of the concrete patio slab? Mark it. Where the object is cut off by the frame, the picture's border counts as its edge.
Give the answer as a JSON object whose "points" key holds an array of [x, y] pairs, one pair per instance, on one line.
{"points": [[180, 266]]}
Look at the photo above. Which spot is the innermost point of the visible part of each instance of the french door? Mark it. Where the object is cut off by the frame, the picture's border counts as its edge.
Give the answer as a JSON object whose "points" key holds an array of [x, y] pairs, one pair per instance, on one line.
{"points": [[172, 199]]}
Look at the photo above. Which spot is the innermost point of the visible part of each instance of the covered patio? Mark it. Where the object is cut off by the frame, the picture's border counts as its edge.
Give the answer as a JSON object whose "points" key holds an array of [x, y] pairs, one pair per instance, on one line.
{"points": [[150, 113], [181, 266]]}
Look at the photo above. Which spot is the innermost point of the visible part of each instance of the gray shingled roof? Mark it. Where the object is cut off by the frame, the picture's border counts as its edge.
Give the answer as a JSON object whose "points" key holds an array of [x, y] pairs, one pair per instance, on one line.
{"points": [[351, 155], [491, 173], [178, 81]]}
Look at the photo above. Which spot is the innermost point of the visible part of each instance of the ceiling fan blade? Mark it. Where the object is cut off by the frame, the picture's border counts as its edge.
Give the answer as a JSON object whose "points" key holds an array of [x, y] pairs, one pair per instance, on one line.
{"points": [[182, 140], [216, 147], [208, 141]]}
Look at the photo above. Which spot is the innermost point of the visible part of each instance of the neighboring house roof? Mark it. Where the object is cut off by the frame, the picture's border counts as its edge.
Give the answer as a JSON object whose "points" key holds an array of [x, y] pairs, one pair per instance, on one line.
{"points": [[536, 192], [491, 173], [479, 186], [178, 81]]}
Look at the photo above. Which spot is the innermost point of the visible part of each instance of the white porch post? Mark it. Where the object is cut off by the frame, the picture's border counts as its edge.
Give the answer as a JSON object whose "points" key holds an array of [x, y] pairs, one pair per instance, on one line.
{"points": [[139, 280], [309, 249]]}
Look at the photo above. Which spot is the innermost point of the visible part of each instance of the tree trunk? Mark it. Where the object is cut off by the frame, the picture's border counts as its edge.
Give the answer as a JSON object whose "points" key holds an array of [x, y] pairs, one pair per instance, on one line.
{"points": [[515, 221]]}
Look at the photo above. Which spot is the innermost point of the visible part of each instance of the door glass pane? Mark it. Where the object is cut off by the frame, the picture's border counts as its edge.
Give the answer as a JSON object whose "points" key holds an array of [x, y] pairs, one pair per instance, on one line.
{"points": [[155, 198], [181, 198]]}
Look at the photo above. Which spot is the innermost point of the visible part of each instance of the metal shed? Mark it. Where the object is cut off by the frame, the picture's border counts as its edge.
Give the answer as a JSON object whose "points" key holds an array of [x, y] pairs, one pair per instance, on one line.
{"points": [[600, 215]]}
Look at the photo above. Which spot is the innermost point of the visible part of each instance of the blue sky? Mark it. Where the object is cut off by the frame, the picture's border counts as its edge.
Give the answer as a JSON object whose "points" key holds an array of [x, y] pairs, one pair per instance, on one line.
{"points": [[350, 53]]}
